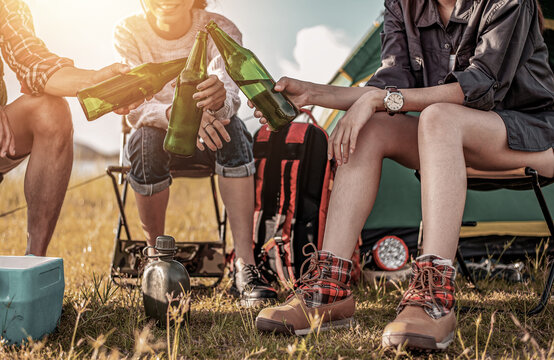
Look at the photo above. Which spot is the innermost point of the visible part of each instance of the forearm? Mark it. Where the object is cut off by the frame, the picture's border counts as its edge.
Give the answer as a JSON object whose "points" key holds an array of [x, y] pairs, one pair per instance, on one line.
{"points": [[420, 98], [335, 97], [68, 80]]}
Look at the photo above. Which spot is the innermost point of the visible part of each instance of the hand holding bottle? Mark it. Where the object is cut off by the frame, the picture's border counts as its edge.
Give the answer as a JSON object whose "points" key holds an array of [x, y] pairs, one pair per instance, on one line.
{"points": [[111, 71], [296, 90], [211, 94], [212, 131]]}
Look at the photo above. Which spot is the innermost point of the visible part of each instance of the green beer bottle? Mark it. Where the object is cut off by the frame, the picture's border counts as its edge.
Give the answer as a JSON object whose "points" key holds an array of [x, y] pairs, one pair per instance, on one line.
{"points": [[253, 79], [122, 90], [185, 116]]}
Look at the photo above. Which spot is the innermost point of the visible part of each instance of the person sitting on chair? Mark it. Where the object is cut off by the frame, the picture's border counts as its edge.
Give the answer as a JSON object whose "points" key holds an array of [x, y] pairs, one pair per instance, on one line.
{"points": [[166, 31], [38, 124], [485, 92]]}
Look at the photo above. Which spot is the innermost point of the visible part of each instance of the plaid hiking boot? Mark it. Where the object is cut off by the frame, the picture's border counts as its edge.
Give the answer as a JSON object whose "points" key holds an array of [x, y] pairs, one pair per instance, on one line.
{"points": [[425, 320], [321, 300], [250, 286]]}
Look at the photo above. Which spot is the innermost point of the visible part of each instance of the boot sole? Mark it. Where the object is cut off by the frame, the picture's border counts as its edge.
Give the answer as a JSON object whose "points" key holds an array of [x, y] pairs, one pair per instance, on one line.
{"points": [[416, 341], [279, 327]]}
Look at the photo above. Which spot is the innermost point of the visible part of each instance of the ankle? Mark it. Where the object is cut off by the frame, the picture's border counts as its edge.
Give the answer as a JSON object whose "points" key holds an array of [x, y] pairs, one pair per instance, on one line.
{"points": [[432, 286], [327, 279]]}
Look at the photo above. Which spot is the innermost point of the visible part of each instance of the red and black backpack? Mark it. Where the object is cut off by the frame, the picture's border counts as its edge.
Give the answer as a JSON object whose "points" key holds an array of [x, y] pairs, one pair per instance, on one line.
{"points": [[293, 185]]}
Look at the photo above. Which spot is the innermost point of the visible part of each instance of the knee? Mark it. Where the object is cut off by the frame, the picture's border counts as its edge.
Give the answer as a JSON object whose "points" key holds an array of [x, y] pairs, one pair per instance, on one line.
{"points": [[149, 161], [437, 121], [51, 119], [377, 132]]}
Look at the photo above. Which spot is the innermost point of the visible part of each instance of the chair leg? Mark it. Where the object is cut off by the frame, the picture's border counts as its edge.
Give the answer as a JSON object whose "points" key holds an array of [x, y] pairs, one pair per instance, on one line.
{"points": [[465, 271], [121, 204], [221, 219], [548, 218]]}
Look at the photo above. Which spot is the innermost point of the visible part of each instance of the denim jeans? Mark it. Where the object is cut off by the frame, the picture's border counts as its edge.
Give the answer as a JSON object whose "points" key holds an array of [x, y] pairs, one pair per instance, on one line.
{"points": [[151, 165]]}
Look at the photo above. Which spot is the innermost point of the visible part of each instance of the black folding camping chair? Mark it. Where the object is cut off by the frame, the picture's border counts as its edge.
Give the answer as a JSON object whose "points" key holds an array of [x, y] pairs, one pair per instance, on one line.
{"points": [[518, 179], [201, 259]]}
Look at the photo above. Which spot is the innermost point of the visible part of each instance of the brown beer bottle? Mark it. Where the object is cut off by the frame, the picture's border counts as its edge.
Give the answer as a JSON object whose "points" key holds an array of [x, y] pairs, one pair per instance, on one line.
{"points": [[185, 116], [253, 79], [125, 89]]}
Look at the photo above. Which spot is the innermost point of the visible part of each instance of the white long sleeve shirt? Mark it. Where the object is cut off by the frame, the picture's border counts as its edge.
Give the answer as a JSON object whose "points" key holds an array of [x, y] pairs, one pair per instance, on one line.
{"points": [[137, 43]]}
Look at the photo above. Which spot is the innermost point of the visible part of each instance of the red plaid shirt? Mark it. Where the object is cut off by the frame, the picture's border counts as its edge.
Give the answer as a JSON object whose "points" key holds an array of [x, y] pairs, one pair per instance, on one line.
{"points": [[25, 53]]}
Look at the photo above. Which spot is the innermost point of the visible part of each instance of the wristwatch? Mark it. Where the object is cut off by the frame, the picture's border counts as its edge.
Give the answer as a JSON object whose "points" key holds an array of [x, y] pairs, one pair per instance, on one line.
{"points": [[394, 101]]}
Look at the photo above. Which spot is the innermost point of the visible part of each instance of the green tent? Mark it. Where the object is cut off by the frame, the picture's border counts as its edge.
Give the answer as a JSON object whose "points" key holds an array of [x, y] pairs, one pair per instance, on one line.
{"points": [[498, 212]]}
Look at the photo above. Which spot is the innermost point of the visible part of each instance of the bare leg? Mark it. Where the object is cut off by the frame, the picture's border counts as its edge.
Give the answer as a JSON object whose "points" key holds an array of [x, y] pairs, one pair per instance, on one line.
{"points": [[42, 126], [357, 182], [238, 197], [446, 145], [152, 210]]}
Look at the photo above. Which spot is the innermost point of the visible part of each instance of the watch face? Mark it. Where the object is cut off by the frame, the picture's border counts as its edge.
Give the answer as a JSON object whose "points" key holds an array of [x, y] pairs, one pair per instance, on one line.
{"points": [[395, 102]]}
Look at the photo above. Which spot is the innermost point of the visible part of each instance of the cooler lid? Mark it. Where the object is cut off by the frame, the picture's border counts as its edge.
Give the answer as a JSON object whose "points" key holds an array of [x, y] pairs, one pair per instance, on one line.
{"points": [[24, 262]]}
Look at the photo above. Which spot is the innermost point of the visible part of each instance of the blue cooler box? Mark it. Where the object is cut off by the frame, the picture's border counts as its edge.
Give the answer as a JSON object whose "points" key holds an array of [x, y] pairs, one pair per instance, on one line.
{"points": [[31, 296]]}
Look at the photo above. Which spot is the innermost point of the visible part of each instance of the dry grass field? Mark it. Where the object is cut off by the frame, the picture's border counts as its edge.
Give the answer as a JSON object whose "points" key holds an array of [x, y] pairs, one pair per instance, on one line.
{"points": [[103, 321]]}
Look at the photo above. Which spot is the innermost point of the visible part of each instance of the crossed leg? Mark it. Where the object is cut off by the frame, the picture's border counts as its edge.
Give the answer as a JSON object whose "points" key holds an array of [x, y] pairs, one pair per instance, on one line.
{"points": [[42, 127], [441, 143]]}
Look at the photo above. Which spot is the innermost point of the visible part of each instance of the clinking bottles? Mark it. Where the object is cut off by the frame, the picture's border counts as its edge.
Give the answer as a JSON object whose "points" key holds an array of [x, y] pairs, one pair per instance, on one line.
{"points": [[122, 90], [185, 115], [253, 79], [162, 277]]}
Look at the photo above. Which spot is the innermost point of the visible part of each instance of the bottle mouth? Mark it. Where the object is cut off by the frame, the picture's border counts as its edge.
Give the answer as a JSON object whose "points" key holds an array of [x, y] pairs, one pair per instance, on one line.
{"points": [[211, 25]]}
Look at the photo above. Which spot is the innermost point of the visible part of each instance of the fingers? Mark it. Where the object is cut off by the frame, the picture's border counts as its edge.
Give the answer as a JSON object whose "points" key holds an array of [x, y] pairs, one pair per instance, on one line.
{"points": [[113, 70], [211, 94], [120, 68], [342, 142], [258, 114], [199, 144], [6, 138], [127, 109], [210, 130], [345, 145], [353, 138], [335, 144], [221, 130], [281, 84], [209, 82]]}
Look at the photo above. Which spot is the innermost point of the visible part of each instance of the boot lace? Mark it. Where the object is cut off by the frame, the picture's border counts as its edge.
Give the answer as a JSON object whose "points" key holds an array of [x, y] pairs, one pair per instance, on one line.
{"points": [[304, 285], [252, 275], [423, 287]]}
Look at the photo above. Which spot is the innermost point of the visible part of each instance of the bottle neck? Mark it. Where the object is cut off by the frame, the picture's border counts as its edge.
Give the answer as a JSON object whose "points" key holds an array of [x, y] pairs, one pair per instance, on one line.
{"points": [[197, 61], [224, 43], [170, 69]]}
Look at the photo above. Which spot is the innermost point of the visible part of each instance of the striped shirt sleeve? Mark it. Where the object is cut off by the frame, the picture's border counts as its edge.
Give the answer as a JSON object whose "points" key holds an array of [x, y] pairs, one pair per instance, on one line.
{"points": [[23, 51]]}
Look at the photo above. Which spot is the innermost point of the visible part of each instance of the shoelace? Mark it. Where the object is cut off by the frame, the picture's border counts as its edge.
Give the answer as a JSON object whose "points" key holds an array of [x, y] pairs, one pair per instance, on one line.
{"points": [[304, 285], [422, 287], [253, 275]]}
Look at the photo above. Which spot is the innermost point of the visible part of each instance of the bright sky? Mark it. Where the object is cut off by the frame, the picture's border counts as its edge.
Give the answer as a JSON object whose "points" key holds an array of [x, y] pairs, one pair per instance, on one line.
{"points": [[308, 39]]}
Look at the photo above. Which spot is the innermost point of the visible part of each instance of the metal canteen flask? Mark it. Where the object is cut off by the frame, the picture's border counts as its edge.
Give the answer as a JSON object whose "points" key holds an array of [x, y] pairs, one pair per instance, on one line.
{"points": [[165, 281]]}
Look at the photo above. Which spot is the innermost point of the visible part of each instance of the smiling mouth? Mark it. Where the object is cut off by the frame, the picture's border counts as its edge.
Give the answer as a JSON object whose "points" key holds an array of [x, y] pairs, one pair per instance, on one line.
{"points": [[167, 7]]}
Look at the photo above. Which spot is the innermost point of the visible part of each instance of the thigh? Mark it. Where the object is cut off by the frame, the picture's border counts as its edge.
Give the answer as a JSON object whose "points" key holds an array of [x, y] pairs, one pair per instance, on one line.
{"points": [[238, 151], [393, 137], [485, 143]]}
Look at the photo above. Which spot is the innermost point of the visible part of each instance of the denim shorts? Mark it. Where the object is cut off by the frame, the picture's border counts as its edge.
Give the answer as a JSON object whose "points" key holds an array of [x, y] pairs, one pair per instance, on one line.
{"points": [[151, 165]]}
